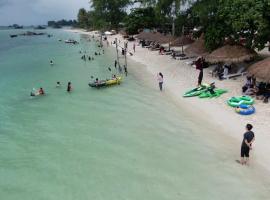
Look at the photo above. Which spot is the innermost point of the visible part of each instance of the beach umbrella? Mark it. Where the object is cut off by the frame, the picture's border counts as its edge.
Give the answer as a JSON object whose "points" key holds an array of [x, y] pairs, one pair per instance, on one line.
{"points": [[197, 48], [143, 35], [261, 70], [231, 53], [160, 38], [181, 42], [108, 33]]}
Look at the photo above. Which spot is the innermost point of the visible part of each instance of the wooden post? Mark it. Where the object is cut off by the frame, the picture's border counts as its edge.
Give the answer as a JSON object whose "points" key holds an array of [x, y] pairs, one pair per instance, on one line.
{"points": [[117, 53]]}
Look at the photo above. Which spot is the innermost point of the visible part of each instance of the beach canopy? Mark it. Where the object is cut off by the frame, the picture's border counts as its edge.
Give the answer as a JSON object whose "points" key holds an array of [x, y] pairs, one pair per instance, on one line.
{"points": [[108, 33], [261, 70], [181, 41], [154, 37], [231, 54], [197, 48], [160, 38], [144, 35]]}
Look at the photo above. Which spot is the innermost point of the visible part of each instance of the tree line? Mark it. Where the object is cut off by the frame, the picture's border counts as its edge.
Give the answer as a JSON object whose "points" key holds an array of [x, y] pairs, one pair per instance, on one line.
{"points": [[63, 22], [218, 20]]}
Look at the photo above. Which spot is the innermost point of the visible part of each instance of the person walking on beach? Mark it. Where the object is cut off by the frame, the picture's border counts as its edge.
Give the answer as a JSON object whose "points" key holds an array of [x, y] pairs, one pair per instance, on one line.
{"points": [[160, 80], [246, 146], [200, 78], [199, 66], [134, 47]]}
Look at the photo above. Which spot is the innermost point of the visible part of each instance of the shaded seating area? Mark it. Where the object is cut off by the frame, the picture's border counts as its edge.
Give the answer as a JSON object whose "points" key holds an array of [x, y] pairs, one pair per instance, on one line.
{"points": [[230, 59], [260, 80]]}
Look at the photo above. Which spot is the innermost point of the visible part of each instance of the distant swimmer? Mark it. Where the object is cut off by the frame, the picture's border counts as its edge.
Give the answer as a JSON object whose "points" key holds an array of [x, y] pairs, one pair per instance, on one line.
{"points": [[58, 84], [51, 62], [69, 88], [109, 69], [125, 70], [115, 63], [41, 91], [37, 92]]}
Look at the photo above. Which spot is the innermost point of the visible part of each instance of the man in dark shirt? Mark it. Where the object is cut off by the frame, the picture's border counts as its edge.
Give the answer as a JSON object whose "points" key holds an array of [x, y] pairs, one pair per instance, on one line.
{"points": [[248, 139]]}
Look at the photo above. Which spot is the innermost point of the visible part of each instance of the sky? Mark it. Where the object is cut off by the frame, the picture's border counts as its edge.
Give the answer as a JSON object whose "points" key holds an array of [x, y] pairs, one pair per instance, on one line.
{"points": [[38, 12]]}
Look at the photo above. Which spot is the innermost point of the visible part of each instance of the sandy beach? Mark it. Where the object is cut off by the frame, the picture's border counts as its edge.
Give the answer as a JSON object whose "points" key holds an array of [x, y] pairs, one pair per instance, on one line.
{"points": [[180, 77]]}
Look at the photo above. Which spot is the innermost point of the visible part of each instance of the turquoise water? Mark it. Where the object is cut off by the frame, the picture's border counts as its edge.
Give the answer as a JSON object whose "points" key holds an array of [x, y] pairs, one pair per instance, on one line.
{"points": [[124, 142]]}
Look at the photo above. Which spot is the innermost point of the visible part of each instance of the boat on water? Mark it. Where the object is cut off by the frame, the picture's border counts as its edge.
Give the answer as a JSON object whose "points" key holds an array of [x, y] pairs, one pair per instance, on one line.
{"points": [[106, 83], [71, 41], [13, 36]]}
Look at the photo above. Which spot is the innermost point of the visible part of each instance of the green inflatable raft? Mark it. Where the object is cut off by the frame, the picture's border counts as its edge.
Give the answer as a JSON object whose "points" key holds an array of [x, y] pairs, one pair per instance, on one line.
{"points": [[196, 91], [241, 100], [208, 94]]}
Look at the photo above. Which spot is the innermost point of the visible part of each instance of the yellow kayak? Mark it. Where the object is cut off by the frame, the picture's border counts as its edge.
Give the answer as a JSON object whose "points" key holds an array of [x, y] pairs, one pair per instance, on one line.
{"points": [[114, 81]]}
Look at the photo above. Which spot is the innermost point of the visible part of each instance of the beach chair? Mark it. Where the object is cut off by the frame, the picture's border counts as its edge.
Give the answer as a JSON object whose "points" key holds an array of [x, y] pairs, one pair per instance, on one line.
{"points": [[240, 72]]}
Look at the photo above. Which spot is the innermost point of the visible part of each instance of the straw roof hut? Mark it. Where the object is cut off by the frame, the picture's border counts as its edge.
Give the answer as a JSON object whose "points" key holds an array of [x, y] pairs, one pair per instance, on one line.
{"points": [[231, 53], [157, 37], [181, 41], [160, 38], [197, 48], [261, 70], [144, 35]]}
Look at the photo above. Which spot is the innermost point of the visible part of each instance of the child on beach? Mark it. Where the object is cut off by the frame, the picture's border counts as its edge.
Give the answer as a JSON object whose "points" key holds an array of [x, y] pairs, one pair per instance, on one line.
{"points": [[248, 139], [160, 80]]}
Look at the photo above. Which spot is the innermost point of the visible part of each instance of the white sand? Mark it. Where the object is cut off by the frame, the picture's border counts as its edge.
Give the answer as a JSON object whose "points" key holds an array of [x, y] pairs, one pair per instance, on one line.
{"points": [[180, 77]]}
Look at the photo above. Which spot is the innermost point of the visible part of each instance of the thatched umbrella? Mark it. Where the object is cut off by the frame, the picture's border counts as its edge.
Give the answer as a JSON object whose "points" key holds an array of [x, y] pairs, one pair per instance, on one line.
{"points": [[181, 42], [144, 35], [197, 48], [261, 70], [231, 53]]}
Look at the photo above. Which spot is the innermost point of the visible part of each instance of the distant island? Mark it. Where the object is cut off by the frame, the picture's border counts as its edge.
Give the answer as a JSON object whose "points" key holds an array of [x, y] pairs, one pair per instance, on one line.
{"points": [[61, 23], [16, 26]]}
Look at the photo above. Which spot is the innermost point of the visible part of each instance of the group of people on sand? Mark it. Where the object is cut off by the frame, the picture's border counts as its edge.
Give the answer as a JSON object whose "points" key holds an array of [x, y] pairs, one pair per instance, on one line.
{"points": [[260, 90], [41, 92]]}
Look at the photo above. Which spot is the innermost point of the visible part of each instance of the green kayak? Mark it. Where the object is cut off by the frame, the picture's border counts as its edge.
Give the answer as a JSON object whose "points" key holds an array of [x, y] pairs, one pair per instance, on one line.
{"points": [[196, 91], [217, 93]]}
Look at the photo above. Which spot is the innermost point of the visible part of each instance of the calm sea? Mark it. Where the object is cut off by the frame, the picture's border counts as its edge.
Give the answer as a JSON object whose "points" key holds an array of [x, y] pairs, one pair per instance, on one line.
{"points": [[126, 142]]}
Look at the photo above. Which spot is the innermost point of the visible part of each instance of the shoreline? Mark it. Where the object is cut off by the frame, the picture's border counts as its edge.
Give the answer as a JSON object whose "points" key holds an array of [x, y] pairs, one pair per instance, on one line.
{"points": [[180, 77]]}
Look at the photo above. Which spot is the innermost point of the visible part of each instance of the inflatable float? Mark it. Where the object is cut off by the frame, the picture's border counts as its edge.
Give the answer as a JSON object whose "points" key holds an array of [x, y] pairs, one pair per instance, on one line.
{"points": [[106, 83], [208, 94], [245, 109], [242, 100], [196, 91]]}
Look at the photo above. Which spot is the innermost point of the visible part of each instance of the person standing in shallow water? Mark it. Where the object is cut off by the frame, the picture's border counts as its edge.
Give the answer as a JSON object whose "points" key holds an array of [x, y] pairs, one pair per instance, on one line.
{"points": [[246, 146], [160, 80], [69, 88]]}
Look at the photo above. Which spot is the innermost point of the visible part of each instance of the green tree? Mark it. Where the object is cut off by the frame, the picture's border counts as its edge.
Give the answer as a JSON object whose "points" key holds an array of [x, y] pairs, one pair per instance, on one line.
{"points": [[140, 18], [110, 12], [83, 18], [233, 20]]}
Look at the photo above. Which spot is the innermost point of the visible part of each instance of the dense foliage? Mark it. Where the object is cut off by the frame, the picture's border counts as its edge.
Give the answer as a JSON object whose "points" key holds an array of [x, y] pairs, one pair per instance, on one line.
{"points": [[62, 23], [235, 21]]}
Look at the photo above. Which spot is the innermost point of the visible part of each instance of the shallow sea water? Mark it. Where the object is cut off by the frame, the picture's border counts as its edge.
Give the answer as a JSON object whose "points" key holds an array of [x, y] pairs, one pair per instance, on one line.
{"points": [[123, 142]]}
